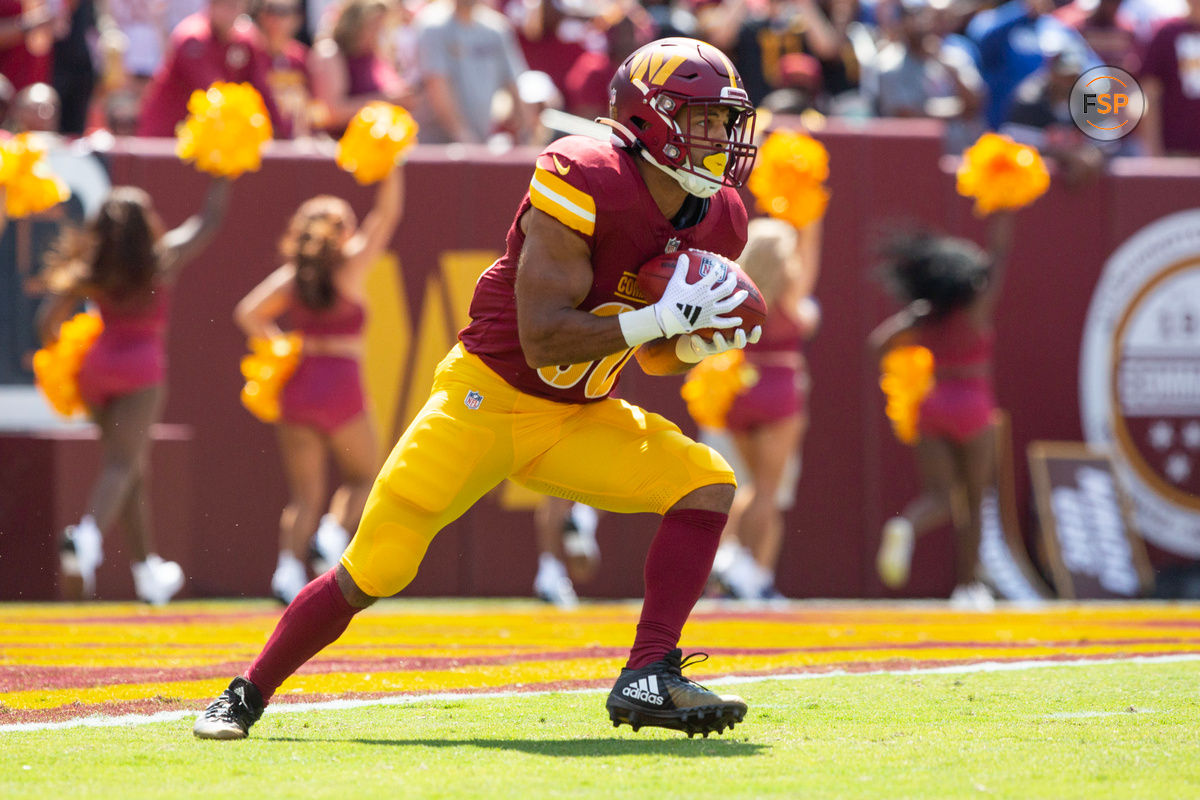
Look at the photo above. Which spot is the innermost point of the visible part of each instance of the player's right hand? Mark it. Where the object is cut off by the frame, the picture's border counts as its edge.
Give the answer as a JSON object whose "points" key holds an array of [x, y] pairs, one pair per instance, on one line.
{"points": [[686, 307], [693, 347]]}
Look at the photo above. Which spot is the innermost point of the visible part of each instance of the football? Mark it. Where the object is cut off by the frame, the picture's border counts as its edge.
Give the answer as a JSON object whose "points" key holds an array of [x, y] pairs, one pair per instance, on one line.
{"points": [[656, 273]]}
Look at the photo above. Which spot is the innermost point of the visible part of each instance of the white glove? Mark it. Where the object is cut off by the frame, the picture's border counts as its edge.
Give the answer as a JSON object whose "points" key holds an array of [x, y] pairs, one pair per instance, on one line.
{"points": [[685, 307], [692, 348]]}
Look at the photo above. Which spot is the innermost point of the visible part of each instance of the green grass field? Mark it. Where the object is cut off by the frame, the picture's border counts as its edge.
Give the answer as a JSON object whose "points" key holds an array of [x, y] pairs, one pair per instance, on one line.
{"points": [[884, 701], [1094, 731]]}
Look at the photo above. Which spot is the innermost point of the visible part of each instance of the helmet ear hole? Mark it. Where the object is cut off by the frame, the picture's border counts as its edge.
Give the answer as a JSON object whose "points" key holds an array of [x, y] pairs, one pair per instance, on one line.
{"points": [[639, 123]]}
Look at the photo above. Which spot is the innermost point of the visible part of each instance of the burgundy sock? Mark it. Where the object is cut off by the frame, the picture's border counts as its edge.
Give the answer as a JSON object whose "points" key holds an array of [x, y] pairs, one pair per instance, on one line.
{"points": [[677, 567], [314, 620]]}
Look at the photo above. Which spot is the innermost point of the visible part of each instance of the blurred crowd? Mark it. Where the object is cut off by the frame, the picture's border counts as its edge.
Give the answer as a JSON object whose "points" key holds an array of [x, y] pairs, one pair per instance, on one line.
{"points": [[507, 72]]}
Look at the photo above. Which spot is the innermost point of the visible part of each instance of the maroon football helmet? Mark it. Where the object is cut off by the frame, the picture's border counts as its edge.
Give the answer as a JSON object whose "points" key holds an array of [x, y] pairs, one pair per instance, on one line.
{"points": [[646, 95]]}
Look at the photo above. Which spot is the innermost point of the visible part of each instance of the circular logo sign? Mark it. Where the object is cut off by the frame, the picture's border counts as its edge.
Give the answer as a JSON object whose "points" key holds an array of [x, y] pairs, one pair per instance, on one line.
{"points": [[1107, 103], [1139, 377]]}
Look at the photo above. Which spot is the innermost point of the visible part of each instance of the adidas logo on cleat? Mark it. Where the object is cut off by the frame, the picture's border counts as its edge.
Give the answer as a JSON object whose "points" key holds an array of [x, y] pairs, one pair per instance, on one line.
{"points": [[658, 695], [645, 690]]}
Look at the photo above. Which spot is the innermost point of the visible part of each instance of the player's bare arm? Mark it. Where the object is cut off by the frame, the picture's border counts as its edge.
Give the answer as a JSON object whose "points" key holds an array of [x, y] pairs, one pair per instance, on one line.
{"points": [[554, 276]]}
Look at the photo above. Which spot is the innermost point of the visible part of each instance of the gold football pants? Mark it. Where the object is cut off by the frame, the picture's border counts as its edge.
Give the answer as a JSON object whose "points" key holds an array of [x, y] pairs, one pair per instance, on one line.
{"points": [[476, 430]]}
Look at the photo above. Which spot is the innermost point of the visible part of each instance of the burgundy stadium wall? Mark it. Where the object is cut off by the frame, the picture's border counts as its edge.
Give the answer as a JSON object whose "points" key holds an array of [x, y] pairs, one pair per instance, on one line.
{"points": [[460, 203]]}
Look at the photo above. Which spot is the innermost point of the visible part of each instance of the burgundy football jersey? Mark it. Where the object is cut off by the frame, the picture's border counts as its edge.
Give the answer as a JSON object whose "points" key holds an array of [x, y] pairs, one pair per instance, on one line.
{"points": [[595, 189]]}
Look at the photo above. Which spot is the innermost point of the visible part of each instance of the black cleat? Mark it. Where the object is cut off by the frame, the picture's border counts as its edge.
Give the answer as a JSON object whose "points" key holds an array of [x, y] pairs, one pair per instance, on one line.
{"points": [[231, 715], [659, 696]]}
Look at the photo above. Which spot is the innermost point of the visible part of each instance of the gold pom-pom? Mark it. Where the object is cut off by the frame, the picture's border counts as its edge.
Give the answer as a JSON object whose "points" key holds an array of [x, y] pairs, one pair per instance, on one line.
{"points": [[30, 187], [56, 368], [712, 385], [266, 369], [1001, 174], [789, 176], [906, 378], [8, 162], [226, 130], [375, 141]]}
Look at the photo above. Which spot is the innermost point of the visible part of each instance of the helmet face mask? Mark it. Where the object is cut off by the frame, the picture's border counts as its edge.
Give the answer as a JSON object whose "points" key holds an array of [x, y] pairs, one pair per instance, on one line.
{"points": [[662, 98]]}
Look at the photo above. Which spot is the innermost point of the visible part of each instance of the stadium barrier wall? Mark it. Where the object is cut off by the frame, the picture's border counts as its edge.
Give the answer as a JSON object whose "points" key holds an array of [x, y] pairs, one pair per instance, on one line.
{"points": [[46, 477], [460, 202]]}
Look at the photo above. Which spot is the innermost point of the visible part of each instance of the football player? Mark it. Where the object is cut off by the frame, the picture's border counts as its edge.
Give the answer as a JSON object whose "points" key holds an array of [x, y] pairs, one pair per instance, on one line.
{"points": [[525, 392]]}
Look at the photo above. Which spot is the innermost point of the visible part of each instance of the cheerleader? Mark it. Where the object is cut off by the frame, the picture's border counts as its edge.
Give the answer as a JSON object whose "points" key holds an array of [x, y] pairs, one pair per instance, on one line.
{"points": [[951, 287], [320, 293], [123, 262]]}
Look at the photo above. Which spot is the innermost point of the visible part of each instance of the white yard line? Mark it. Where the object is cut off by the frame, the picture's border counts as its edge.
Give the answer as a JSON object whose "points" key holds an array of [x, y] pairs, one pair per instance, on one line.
{"points": [[129, 720]]}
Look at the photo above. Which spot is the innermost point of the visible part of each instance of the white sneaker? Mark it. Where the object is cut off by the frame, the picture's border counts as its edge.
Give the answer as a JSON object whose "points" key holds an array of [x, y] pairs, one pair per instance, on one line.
{"points": [[579, 533], [895, 552], [329, 543], [156, 581], [552, 583], [744, 577], [289, 578], [82, 551], [726, 553], [581, 552], [972, 597]]}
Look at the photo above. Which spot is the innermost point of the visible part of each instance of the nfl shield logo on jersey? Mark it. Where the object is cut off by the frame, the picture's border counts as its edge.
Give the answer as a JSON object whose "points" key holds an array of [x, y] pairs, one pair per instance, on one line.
{"points": [[473, 399]]}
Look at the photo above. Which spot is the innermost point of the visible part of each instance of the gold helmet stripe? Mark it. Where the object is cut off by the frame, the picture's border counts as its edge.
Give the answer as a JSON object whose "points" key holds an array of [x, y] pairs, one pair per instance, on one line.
{"points": [[728, 67]]}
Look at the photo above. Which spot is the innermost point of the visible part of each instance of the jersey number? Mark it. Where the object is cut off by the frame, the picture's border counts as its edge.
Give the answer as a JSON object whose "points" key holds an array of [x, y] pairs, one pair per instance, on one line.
{"points": [[601, 374]]}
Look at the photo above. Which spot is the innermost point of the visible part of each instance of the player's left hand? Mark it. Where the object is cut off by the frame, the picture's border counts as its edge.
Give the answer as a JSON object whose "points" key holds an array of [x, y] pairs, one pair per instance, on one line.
{"points": [[691, 348]]}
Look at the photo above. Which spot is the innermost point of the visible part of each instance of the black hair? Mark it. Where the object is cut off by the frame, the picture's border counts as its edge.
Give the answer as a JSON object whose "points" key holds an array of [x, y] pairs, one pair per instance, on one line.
{"points": [[945, 271]]}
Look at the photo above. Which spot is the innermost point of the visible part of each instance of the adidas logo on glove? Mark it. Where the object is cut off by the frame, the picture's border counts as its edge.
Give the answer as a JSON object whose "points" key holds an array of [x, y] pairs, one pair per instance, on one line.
{"points": [[646, 690], [692, 313]]}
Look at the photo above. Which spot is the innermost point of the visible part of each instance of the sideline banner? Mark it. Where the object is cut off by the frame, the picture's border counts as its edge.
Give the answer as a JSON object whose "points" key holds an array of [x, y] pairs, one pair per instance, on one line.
{"points": [[1085, 533], [1139, 377]]}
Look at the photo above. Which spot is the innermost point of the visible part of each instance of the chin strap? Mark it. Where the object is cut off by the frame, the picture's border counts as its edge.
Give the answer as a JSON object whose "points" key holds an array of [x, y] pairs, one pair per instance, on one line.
{"points": [[703, 185]]}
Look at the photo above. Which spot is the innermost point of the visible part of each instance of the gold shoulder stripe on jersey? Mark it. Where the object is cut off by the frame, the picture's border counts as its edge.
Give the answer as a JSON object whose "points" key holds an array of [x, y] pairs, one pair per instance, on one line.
{"points": [[572, 207]]}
